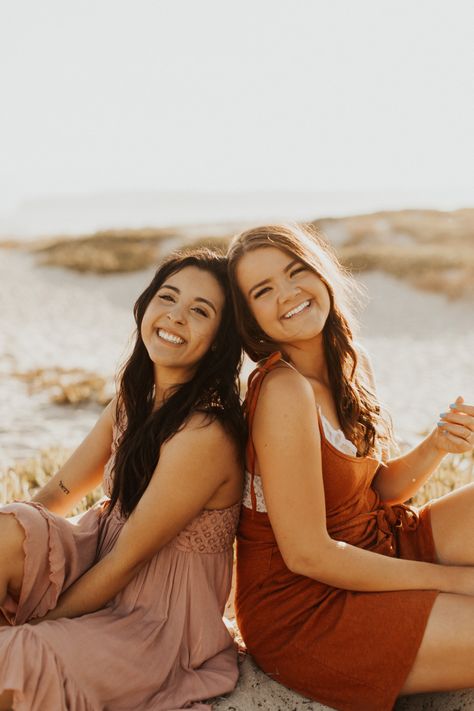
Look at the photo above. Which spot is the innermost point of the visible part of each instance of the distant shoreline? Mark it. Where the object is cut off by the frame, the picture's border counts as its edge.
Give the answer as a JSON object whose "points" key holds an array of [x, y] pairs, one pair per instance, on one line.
{"points": [[79, 214]]}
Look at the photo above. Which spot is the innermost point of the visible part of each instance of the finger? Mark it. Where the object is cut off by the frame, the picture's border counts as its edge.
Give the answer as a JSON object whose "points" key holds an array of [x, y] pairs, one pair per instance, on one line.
{"points": [[461, 406], [456, 430], [459, 442], [458, 418]]}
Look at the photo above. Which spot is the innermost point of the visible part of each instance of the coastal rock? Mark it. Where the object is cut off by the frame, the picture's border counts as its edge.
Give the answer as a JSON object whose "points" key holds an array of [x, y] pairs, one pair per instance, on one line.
{"points": [[453, 701], [256, 691]]}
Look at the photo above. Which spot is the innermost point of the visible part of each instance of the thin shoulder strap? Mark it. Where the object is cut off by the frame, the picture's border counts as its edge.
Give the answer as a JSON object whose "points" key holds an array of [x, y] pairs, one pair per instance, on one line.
{"points": [[253, 390]]}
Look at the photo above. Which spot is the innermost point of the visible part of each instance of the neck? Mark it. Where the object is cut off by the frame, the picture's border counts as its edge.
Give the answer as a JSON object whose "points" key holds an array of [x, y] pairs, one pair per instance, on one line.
{"points": [[308, 357], [166, 379]]}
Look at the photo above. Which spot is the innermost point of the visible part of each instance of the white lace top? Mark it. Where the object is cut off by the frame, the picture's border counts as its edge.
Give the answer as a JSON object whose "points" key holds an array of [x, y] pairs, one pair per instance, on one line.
{"points": [[336, 437]]}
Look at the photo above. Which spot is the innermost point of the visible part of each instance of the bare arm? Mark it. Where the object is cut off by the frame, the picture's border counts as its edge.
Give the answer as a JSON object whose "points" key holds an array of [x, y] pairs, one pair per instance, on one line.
{"points": [[288, 447], [193, 465], [403, 476], [83, 470]]}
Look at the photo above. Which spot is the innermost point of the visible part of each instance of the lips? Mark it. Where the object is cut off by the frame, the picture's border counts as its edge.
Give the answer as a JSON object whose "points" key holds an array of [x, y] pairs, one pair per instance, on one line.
{"points": [[169, 337], [297, 309]]}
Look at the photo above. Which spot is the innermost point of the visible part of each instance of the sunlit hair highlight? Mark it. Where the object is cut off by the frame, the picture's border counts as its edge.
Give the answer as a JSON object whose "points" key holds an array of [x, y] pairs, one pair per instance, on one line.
{"points": [[358, 409]]}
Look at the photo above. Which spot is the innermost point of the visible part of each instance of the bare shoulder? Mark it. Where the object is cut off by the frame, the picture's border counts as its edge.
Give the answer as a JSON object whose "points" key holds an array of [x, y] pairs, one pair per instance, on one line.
{"points": [[285, 380], [201, 431], [285, 390], [203, 454]]}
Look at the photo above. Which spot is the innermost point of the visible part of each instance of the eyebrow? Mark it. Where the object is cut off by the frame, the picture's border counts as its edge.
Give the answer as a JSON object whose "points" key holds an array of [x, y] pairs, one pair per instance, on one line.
{"points": [[266, 281], [196, 298]]}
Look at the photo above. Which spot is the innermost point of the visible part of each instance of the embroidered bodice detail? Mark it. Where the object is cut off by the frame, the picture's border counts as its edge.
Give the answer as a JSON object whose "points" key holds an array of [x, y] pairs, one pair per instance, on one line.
{"points": [[335, 436], [212, 531]]}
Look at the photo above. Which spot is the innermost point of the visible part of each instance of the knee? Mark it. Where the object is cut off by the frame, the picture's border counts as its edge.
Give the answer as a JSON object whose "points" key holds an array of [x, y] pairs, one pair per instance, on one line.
{"points": [[6, 701], [12, 536]]}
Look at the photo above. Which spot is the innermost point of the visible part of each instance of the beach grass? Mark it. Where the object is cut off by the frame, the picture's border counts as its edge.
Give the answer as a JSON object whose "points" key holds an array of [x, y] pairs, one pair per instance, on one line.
{"points": [[455, 471], [23, 479], [430, 249], [68, 386], [105, 252], [430, 267]]}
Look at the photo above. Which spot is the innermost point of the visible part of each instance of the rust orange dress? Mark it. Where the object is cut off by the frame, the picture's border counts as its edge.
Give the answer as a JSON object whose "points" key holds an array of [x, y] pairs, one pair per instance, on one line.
{"points": [[349, 650]]}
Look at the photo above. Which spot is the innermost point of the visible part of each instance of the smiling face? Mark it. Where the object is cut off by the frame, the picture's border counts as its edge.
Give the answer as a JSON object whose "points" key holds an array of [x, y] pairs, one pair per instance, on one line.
{"points": [[288, 300], [182, 320]]}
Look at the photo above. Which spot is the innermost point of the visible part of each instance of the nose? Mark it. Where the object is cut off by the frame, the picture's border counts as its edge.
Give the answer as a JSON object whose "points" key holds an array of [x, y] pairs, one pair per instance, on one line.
{"points": [[287, 292], [176, 315]]}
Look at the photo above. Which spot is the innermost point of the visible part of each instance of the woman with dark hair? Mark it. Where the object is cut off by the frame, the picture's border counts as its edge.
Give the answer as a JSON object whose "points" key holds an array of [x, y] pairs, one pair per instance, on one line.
{"points": [[123, 609], [373, 598]]}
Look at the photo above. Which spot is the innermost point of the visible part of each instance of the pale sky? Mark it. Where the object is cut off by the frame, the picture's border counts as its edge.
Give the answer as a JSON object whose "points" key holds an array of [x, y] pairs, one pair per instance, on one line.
{"points": [[105, 95]]}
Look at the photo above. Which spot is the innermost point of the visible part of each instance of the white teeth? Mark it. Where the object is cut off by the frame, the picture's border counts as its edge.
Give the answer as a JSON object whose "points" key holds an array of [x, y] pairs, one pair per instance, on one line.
{"points": [[169, 336], [297, 309]]}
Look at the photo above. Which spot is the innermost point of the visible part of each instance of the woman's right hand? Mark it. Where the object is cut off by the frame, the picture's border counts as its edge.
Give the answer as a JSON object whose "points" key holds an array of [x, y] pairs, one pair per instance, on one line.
{"points": [[455, 431]]}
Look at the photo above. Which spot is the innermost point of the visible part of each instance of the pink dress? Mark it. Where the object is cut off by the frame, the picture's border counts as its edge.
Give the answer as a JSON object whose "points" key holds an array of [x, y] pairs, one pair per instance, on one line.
{"points": [[160, 644]]}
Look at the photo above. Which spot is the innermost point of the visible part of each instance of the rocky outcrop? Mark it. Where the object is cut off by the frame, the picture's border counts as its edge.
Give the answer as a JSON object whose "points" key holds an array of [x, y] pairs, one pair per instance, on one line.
{"points": [[255, 691]]}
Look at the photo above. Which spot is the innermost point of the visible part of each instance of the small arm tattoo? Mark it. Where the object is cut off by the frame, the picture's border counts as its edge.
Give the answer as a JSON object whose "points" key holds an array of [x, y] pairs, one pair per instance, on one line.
{"points": [[63, 487]]}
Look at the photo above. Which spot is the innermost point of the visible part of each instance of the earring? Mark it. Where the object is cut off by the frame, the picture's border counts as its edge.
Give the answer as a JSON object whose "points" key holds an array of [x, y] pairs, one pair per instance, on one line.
{"points": [[213, 347]]}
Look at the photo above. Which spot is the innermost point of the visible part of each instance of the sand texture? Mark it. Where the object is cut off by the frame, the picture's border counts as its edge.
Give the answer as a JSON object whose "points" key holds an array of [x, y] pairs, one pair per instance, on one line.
{"points": [[255, 691], [421, 344]]}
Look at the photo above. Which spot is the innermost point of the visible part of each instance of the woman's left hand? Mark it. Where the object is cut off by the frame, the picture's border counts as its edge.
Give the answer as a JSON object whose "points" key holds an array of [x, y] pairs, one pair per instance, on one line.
{"points": [[455, 431]]}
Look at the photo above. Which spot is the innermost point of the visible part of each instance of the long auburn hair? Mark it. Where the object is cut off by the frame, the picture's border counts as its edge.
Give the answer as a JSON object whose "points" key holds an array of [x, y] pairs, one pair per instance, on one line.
{"points": [[213, 389], [358, 409]]}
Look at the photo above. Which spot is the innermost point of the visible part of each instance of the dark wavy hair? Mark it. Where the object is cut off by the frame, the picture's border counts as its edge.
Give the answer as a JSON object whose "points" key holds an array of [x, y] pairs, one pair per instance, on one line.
{"points": [[213, 389], [357, 407]]}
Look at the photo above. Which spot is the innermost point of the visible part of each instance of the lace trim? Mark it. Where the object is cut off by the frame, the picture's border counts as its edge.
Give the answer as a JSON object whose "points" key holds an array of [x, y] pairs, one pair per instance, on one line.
{"points": [[336, 437], [247, 499]]}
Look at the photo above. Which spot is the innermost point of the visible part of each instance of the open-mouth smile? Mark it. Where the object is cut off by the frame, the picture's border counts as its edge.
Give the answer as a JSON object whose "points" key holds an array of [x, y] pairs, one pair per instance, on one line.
{"points": [[297, 310], [170, 337]]}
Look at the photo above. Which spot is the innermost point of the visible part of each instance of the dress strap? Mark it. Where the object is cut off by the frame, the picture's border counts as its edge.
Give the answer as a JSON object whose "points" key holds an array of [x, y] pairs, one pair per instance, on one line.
{"points": [[253, 390]]}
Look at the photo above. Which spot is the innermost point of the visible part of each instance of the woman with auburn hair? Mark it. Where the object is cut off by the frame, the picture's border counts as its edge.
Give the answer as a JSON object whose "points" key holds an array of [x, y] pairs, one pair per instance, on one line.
{"points": [[123, 610], [344, 593]]}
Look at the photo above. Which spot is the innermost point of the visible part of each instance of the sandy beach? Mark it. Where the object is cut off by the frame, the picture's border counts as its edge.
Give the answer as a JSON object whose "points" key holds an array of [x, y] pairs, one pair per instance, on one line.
{"points": [[421, 345]]}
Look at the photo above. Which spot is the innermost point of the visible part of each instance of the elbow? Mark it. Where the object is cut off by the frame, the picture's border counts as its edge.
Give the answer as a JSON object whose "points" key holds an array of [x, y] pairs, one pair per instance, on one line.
{"points": [[124, 570], [391, 495], [309, 561], [299, 565]]}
